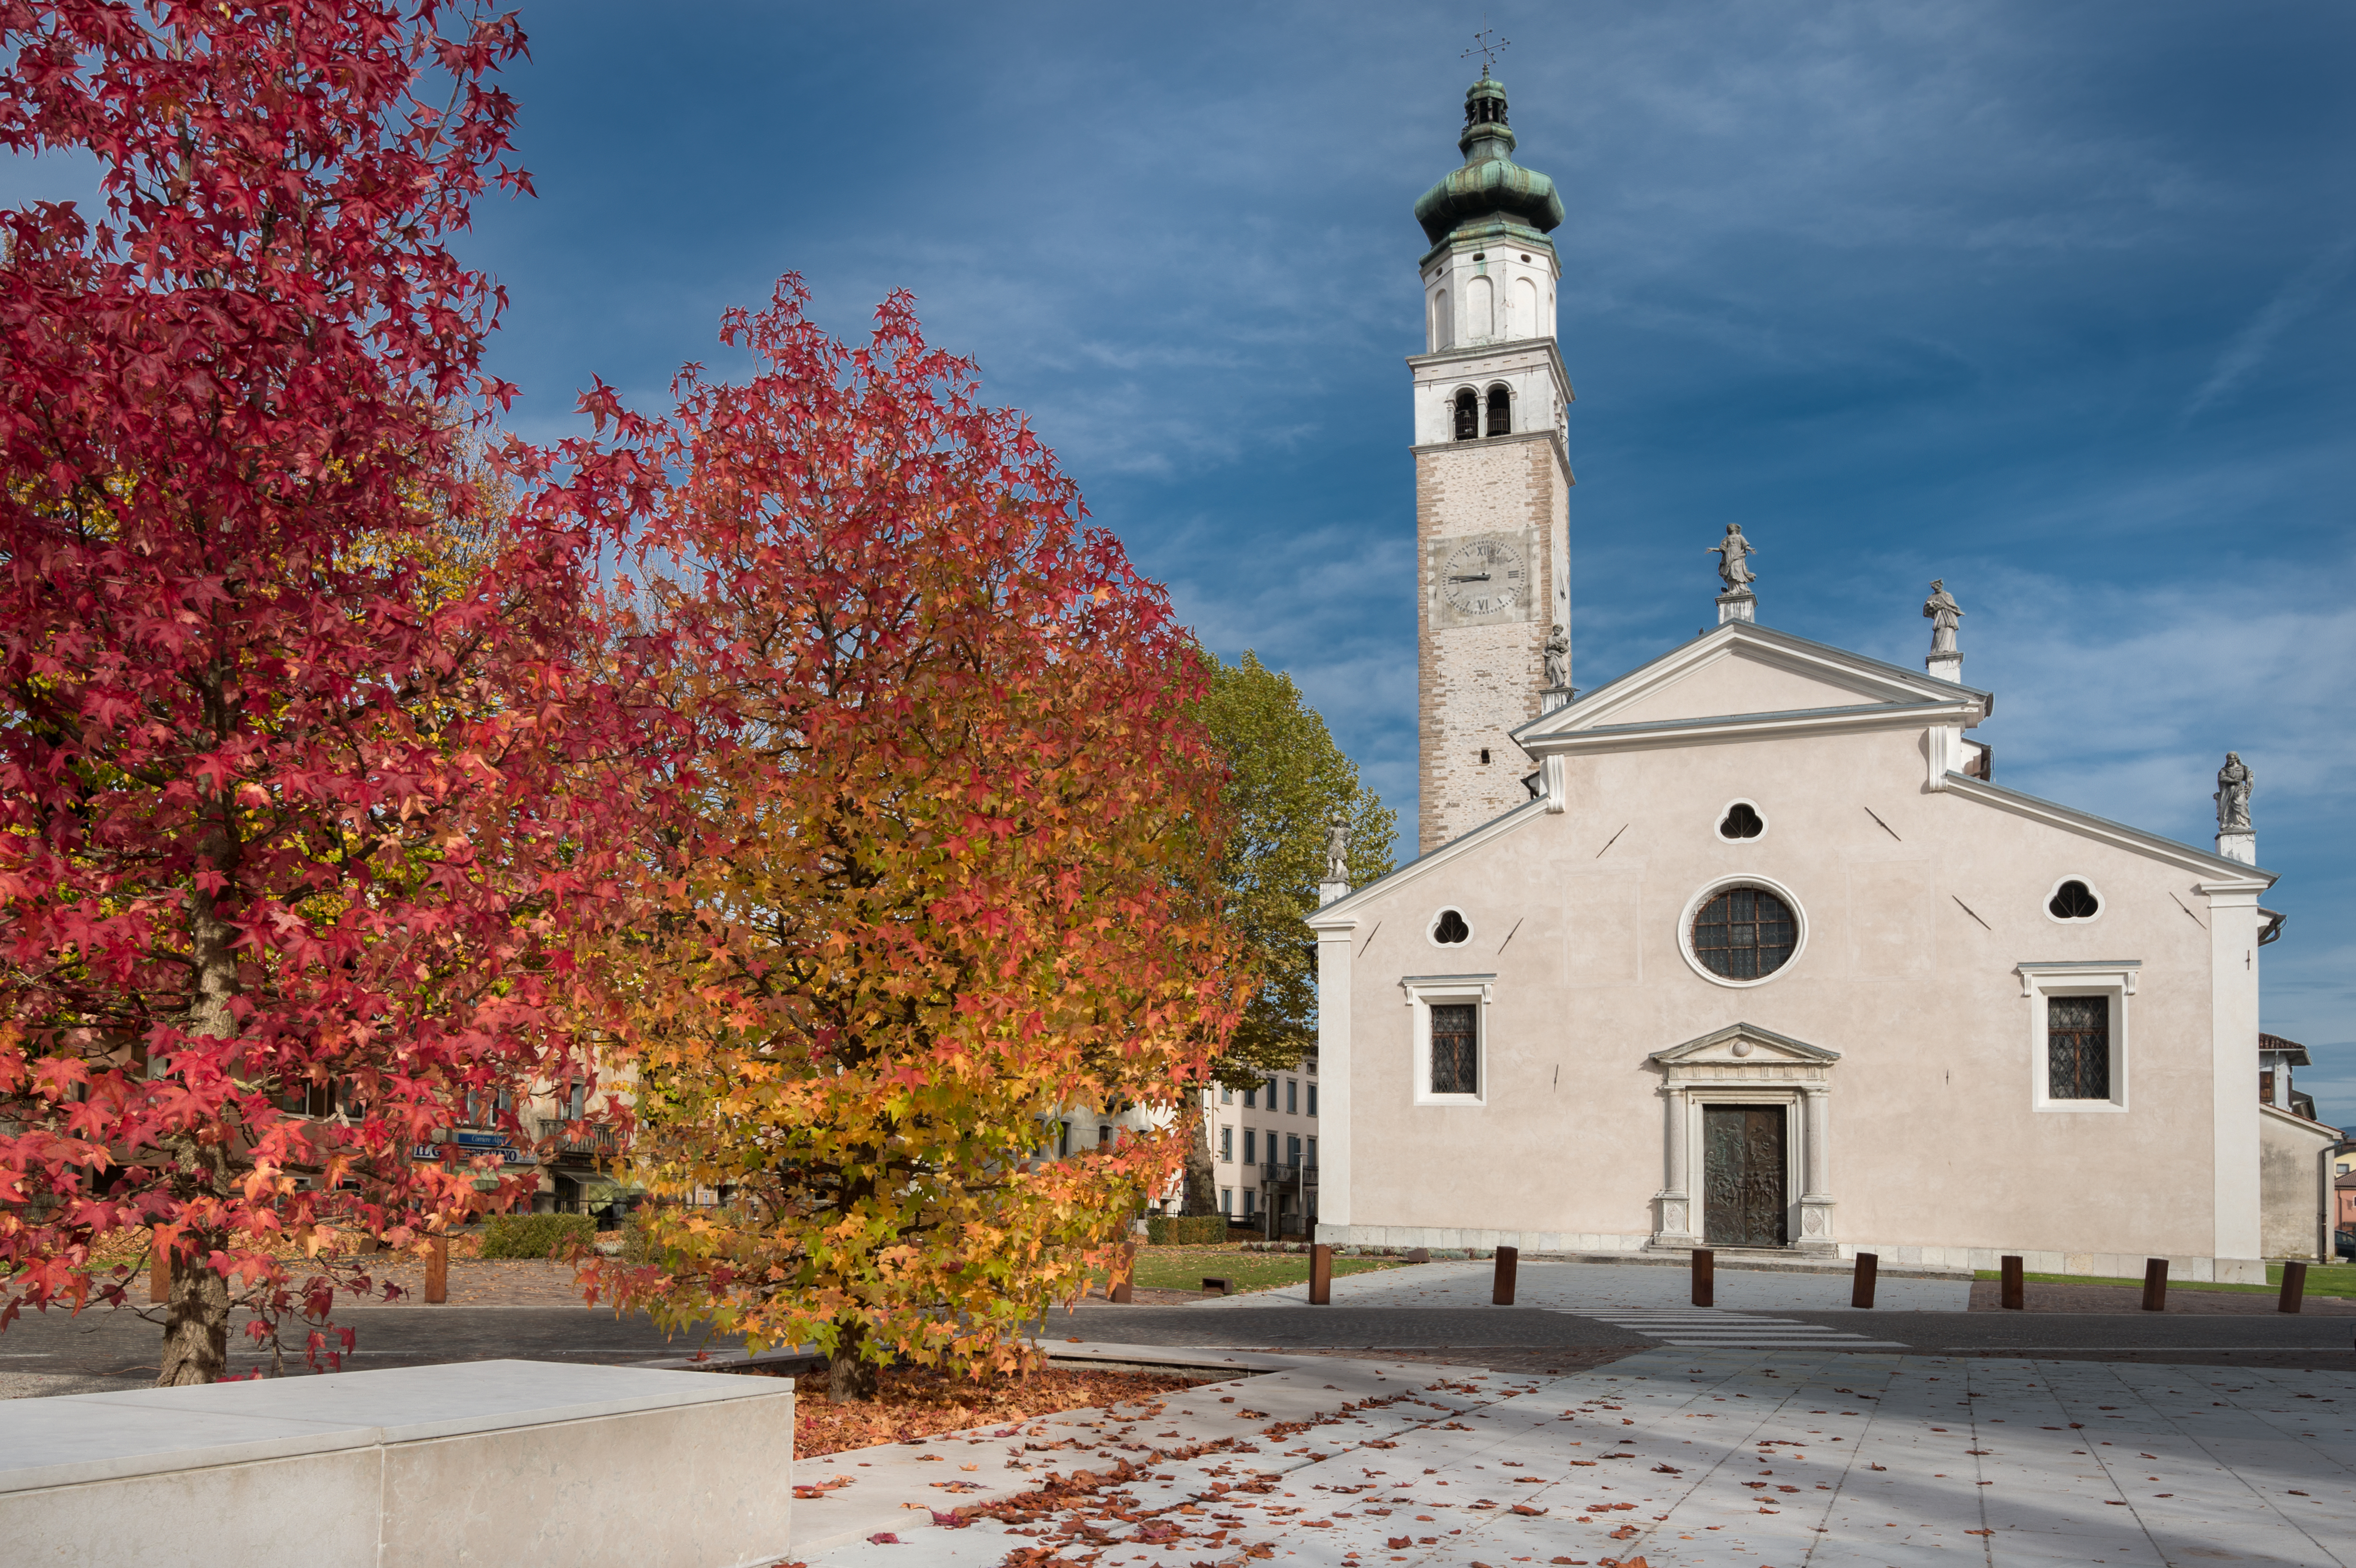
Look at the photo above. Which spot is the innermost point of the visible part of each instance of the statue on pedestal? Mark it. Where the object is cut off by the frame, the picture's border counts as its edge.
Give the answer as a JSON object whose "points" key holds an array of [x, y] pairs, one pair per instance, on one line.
{"points": [[1337, 848], [1944, 615], [2235, 781], [1557, 661], [1734, 553]]}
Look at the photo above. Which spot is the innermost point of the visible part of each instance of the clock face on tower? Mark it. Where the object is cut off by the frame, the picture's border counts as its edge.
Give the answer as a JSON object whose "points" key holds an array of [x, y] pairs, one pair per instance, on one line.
{"points": [[1480, 578]]}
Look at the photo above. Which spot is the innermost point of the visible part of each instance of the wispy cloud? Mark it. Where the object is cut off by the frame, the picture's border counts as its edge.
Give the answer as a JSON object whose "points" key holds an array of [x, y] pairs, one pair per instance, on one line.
{"points": [[2305, 290]]}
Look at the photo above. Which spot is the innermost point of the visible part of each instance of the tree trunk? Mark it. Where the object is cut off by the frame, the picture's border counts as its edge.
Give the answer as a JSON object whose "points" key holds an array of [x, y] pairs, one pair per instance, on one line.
{"points": [[1202, 1180], [849, 1376], [196, 1323], [195, 1326]]}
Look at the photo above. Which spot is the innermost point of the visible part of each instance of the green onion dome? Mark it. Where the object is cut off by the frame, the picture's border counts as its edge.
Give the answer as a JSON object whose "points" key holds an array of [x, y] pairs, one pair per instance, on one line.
{"points": [[1490, 184]]}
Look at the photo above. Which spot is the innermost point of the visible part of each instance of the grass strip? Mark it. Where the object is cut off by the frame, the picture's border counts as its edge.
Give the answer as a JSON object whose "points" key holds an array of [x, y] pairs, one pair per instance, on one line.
{"points": [[2321, 1280]]}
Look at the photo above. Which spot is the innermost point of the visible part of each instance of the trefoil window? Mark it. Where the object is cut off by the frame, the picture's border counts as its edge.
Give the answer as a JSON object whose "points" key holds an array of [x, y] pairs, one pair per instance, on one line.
{"points": [[1741, 821], [2073, 901], [1450, 931]]}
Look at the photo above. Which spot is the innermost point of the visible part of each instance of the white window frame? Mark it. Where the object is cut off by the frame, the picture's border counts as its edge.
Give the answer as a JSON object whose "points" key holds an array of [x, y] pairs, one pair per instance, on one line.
{"points": [[2102, 904], [1766, 824], [1709, 890], [1423, 991], [1431, 930], [1228, 1145], [2111, 978]]}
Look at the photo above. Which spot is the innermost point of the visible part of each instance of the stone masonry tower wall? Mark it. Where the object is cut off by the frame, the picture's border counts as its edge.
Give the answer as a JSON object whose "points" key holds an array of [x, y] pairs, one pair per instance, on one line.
{"points": [[1492, 474]]}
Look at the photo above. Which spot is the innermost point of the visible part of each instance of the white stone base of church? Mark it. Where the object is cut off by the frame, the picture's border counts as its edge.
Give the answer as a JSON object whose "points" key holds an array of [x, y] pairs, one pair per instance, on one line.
{"points": [[1542, 1243]]}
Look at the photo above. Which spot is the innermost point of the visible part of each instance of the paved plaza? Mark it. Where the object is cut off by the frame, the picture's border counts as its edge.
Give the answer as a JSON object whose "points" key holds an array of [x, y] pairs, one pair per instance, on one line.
{"points": [[1680, 1456]]}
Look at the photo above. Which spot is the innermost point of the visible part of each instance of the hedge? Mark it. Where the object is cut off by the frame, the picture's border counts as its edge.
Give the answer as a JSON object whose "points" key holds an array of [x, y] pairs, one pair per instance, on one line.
{"points": [[1182, 1230], [536, 1235]]}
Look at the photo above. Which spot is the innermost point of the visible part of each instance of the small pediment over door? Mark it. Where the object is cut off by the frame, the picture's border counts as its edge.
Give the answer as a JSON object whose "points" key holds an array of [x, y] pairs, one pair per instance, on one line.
{"points": [[1745, 1053]]}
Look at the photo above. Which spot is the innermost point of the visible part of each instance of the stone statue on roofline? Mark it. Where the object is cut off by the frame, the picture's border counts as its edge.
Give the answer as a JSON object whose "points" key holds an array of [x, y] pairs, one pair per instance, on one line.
{"points": [[1337, 848], [1944, 615], [2235, 781], [1734, 553], [1558, 659]]}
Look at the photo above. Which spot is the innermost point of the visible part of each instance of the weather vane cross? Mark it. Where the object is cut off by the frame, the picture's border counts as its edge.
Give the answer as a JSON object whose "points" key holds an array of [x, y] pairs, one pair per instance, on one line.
{"points": [[1485, 43]]}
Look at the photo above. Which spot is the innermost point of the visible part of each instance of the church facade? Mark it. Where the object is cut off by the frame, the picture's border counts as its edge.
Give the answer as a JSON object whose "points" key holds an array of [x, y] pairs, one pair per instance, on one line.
{"points": [[1745, 948]]}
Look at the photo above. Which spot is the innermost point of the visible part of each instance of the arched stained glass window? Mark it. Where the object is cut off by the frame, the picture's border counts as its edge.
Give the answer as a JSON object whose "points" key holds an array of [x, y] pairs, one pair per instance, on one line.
{"points": [[1744, 934]]}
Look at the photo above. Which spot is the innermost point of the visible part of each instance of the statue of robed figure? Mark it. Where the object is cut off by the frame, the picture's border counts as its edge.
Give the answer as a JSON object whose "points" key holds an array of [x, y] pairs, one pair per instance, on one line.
{"points": [[1944, 615], [1734, 553], [1558, 659], [1337, 848], [2235, 781]]}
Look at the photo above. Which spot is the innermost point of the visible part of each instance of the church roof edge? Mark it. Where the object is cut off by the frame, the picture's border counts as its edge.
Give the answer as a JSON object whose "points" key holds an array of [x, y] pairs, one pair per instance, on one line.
{"points": [[2186, 855], [1847, 716], [1342, 913], [1565, 720]]}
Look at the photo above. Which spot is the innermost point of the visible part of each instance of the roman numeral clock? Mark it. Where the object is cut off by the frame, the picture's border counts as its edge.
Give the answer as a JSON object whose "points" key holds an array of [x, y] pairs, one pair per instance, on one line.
{"points": [[1481, 581]]}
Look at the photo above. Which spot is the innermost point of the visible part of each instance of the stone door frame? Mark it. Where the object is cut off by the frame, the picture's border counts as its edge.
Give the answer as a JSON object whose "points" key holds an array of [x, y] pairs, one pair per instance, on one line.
{"points": [[1743, 1064]]}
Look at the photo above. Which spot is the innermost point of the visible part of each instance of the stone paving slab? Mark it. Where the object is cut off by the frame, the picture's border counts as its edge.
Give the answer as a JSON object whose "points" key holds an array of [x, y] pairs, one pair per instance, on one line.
{"points": [[1596, 1289], [895, 1488], [1709, 1458]]}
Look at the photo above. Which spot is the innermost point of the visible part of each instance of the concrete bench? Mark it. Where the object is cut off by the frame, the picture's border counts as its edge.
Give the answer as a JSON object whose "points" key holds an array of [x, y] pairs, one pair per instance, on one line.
{"points": [[478, 1461]]}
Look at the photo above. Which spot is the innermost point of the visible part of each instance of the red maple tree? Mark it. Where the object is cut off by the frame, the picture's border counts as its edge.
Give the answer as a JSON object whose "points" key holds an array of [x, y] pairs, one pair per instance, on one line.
{"points": [[936, 870], [291, 846]]}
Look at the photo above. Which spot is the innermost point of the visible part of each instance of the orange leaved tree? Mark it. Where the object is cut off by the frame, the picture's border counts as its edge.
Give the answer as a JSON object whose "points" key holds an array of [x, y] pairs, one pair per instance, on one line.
{"points": [[944, 865]]}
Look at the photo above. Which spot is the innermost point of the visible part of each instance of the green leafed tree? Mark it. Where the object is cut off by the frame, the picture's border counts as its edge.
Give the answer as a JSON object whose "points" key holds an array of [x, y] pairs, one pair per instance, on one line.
{"points": [[1287, 780]]}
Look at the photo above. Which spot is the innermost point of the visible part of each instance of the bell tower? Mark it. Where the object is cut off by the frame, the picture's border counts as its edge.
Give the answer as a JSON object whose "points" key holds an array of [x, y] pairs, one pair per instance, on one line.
{"points": [[1491, 475]]}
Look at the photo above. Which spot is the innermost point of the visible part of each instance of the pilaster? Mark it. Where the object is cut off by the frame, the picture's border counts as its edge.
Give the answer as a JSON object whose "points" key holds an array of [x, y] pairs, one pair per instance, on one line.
{"points": [[1335, 1073], [2233, 1044]]}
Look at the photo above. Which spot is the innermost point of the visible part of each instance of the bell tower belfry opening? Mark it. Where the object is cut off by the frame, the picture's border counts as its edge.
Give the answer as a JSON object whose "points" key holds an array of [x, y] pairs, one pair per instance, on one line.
{"points": [[1492, 473]]}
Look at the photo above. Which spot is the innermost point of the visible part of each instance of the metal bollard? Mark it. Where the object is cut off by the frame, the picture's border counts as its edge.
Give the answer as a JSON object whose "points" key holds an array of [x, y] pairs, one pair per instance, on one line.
{"points": [[1860, 1292], [1704, 1278], [1320, 1275], [1501, 1290], [1128, 1273], [2155, 1285], [438, 1272], [2294, 1288], [2012, 1294]]}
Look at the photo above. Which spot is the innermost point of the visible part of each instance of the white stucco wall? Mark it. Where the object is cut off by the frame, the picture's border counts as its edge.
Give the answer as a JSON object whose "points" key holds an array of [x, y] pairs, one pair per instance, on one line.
{"points": [[2294, 1185], [1938, 1148]]}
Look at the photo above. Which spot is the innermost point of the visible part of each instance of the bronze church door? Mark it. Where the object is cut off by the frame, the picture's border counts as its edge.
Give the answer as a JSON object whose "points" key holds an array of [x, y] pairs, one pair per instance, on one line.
{"points": [[1742, 1176]]}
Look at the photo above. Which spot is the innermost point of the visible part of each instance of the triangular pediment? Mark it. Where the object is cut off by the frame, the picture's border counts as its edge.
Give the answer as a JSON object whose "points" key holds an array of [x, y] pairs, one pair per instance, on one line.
{"points": [[1742, 670], [1743, 1045]]}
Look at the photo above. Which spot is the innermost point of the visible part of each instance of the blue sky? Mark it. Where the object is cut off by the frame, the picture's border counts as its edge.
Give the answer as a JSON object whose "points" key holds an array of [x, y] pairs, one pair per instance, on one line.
{"points": [[2053, 300]]}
